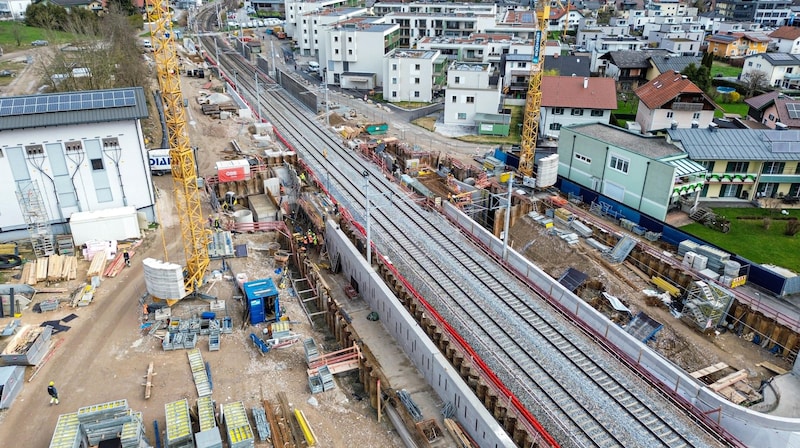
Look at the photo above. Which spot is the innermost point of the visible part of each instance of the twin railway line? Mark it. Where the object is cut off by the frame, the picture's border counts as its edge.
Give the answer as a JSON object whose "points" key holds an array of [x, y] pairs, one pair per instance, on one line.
{"points": [[582, 395]]}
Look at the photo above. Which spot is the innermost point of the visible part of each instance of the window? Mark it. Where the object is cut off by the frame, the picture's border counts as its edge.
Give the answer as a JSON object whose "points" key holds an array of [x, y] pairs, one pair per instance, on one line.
{"points": [[750, 64], [462, 116], [336, 51], [416, 94], [97, 164], [336, 38], [670, 114], [619, 164], [555, 126], [577, 112], [470, 99], [416, 80], [350, 51], [583, 158], [773, 168], [394, 67], [696, 116], [708, 165], [457, 80], [350, 39], [416, 67], [597, 113], [558, 111], [394, 94], [771, 117], [453, 100], [394, 80], [736, 167]]}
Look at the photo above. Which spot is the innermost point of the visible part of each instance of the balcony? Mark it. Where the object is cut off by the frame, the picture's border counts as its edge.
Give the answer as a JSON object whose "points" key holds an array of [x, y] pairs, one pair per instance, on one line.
{"points": [[731, 178], [691, 107]]}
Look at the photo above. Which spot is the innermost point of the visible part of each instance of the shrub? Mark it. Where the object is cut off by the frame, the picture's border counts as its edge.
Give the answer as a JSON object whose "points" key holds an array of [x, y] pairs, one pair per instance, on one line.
{"points": [[792, 227], [767, 223]]}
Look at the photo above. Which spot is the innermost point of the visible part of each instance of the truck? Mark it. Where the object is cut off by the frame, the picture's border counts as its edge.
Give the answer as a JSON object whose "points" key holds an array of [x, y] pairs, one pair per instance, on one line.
{"points": [[278, 32], [160, 161]]}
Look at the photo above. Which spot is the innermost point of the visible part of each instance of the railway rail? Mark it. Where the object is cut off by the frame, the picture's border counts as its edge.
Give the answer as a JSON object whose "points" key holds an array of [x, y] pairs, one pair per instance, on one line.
{"points": [[582, 395]]}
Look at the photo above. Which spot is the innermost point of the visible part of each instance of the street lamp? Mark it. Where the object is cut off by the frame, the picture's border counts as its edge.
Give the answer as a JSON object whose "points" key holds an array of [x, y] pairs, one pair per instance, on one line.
{"points": [[508, 217], [258, 94]]}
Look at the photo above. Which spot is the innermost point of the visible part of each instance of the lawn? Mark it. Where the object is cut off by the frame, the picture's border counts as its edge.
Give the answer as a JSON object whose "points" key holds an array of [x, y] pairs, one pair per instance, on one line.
{"points": [[732, 108], [27, 35], [725, 70], [749, 239], [627, 107]]}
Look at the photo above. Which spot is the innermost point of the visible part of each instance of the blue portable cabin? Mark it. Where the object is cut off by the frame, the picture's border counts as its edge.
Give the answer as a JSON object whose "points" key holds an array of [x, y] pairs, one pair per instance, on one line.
{"points": [[262, 299]]}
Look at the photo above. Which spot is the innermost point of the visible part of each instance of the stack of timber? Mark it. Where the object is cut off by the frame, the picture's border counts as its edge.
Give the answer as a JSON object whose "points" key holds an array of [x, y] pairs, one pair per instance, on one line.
{"points": [[61, 267], [41, 269], [211, 109], [29, 273], [97, 266]]}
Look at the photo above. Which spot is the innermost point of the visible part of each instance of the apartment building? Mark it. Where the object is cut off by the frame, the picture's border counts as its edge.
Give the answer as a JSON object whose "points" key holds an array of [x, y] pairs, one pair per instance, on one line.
{"points": [[472, 88]]}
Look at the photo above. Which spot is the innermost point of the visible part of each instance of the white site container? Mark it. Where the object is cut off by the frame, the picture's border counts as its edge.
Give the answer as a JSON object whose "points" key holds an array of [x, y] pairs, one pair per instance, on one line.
{"points": [[119, 223]]}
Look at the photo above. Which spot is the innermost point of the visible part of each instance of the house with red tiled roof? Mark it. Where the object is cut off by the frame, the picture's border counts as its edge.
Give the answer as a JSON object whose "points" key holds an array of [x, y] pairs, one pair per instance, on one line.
{"points": [[573, 100], [560, 15], [774, 110], [671, 100], [732, 44], [787, 38]]}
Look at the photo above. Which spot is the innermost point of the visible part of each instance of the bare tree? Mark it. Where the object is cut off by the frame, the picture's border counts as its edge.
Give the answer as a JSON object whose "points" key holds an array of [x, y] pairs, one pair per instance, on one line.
{"points": [[16, 32], [754, 80]]}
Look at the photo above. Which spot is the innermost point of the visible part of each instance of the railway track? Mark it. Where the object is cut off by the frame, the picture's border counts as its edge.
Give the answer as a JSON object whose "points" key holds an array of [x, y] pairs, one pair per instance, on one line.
{"points": [[581, 394]]}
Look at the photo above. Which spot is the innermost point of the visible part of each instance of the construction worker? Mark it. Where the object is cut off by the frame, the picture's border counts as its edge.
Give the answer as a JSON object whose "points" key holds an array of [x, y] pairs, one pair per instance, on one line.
{"points": [[217, 223], [146, 312], [302, 178], [51, 390], [127, 257]]}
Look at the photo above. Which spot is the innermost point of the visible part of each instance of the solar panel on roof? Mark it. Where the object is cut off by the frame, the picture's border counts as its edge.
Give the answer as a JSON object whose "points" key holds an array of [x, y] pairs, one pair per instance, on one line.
{"points": [[65, 102], [527, 18], [781, 56], [794, 110], [790, 135]]}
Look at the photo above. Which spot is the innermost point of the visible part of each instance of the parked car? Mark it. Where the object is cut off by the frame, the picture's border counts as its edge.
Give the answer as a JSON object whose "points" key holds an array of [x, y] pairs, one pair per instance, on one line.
{"points": [[40, 43], [7, 73]]}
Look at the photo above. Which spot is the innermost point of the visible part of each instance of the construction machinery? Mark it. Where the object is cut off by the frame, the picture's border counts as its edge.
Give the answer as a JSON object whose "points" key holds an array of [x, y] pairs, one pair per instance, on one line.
{"points": [[533, 103], [184, 174]]}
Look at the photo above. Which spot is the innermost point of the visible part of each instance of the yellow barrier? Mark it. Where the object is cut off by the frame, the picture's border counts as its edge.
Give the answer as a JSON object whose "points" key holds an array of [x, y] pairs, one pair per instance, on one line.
{"points": [[666, 286], [311, 439]]}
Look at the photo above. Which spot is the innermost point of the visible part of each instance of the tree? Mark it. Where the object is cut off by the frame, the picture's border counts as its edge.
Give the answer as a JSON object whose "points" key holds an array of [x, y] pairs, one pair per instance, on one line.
{"points": [[753, 81], [16, 32], [698, 75], [708, 61], [46, 15]]}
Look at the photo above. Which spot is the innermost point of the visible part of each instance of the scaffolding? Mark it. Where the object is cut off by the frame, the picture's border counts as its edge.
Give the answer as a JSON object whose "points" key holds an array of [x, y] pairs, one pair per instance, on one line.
{"points": [[35, 214]]}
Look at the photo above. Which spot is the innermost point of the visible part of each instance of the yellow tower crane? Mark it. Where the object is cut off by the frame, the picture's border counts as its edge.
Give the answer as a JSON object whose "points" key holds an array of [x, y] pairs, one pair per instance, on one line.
{"points": [[533, 102], [184, 175]]}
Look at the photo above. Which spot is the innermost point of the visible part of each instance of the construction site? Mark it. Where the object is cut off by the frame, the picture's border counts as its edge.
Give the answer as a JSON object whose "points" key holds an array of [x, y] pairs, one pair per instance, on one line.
{"points": [[294, 314]]}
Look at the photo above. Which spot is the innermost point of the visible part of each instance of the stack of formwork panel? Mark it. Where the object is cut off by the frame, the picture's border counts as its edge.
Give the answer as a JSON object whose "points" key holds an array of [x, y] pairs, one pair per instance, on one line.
{"points": [[209, 435], [199, 373], [163, 279], [240, 434], [179, 426], [262, 425], [104, 421], [687, 246], [716, 258], [67, 433], [132, 434]]}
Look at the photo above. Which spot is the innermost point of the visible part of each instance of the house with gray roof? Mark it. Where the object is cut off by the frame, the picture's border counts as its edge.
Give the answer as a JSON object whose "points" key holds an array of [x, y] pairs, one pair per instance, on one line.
{"points": [[645, 173], [670, 63], [743, 164], [781, 69], [628, 68], [72, 152]]}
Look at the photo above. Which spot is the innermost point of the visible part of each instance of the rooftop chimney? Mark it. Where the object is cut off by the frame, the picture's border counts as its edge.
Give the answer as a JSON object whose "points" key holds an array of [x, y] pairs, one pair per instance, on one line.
{"points": [[585, 83], [673, 125], [713, 127]]}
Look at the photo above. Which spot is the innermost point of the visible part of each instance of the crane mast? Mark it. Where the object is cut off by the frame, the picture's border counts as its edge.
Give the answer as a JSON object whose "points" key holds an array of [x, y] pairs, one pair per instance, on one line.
{"points": [[184, 176], [533, 102]]}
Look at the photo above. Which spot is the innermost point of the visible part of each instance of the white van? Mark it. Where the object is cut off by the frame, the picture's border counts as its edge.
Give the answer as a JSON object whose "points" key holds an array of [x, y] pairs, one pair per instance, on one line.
{"points": [[313, 66]]}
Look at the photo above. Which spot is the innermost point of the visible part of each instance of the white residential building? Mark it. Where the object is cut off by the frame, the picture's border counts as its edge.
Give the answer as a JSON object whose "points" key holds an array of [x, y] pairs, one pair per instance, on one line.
{"points": [[409, 75], [297, 9], [72, 152], [571, 100], [420, 19], [312, 24], [781, 69], [786, 39], [475, 48], [660, 8], [352, 51], [14, 9], [589, 31], [671, 100], [471, 89], [605, 44], [684, 39]]}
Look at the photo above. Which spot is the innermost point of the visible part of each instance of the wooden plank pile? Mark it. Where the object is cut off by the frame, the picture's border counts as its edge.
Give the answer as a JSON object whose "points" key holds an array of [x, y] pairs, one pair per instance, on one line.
{"points": [[61, 267], [211, 109], [41, 269], [97, 266]]}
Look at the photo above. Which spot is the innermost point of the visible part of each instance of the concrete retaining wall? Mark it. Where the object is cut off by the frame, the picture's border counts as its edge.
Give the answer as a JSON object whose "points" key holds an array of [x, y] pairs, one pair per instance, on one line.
{"points": [[427, 358], [752, 428]]}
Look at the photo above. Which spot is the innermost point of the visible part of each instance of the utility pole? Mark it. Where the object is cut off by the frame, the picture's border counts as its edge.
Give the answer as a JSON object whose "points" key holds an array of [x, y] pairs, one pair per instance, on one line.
{"points": [[508, 217], [258, 94], [327, 110], [274, 67], [365, 173]]}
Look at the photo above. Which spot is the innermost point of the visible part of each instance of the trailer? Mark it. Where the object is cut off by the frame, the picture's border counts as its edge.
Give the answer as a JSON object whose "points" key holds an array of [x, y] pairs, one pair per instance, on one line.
{"points": [[160, 161]]}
